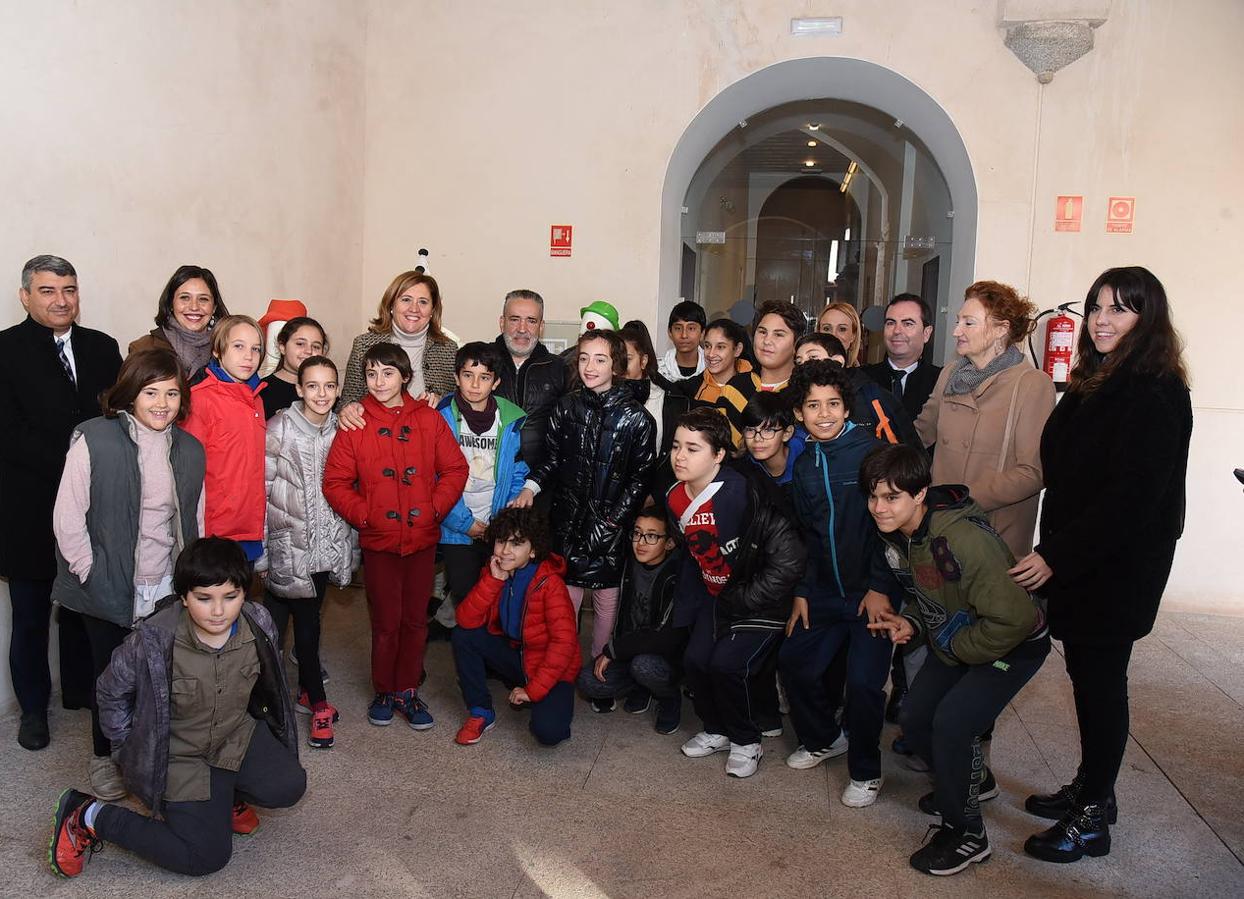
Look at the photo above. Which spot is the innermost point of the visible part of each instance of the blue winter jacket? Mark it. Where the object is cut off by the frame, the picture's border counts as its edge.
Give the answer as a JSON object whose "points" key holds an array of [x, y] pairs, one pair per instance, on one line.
{"points": [[845, 557], [511, 471]]}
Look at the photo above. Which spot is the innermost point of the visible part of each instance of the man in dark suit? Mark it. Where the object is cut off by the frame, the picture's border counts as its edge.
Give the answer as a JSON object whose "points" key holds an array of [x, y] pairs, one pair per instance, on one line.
{"points": [[51, 375], [908, 327]]}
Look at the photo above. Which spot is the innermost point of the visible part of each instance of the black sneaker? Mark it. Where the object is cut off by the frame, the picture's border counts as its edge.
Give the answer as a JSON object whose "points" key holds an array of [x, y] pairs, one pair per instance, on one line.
{"points": [[950, 851], [637, 701], [1082, 831], [669, 714], [989, 790], [604, 706]]}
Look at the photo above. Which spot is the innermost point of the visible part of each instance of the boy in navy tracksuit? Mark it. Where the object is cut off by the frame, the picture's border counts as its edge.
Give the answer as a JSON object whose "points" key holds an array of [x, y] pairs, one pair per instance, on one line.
{"points": [[845, 586]]}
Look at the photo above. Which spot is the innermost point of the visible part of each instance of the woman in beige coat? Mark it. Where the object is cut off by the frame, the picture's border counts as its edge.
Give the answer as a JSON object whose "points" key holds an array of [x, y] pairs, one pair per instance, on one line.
{"points": [[987, 411]]}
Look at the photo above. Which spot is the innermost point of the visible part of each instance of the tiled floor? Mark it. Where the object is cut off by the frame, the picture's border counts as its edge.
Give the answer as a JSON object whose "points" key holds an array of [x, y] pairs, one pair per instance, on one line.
{"points": [[618, 811]]}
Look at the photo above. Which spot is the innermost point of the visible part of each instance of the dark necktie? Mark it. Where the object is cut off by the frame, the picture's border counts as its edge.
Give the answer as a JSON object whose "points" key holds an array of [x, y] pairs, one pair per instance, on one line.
{"points": [[64, 361], [896, 382]]}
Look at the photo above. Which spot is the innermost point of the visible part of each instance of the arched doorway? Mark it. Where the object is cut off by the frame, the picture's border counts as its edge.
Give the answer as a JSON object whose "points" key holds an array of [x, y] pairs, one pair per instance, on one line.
{"points": [[863, 106]]}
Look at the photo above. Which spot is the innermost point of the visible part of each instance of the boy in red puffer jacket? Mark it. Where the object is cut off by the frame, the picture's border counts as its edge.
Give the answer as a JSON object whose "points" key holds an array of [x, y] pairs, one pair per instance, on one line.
{"points": [[394, 481], [518, 622]]}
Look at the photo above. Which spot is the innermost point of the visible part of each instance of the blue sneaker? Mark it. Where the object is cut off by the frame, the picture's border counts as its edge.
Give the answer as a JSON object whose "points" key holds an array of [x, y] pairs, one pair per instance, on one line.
{"points": [[416, 711], [380, 712]]}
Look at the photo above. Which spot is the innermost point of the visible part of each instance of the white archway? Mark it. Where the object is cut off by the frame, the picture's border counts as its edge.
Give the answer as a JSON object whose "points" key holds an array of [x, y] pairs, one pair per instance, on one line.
{"points": [[828, 78]]}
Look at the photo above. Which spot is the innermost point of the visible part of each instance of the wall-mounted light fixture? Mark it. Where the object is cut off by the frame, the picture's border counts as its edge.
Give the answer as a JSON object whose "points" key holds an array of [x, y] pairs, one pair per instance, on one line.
{"points": [[846, 181], [830, 25]]}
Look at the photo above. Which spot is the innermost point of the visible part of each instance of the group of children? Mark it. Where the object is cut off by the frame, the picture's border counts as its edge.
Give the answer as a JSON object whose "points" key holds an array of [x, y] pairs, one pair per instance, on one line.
{"points": [[798, 529]]}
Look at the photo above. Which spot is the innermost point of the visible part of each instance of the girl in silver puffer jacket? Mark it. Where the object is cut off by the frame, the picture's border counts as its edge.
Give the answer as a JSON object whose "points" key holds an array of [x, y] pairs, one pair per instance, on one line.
{"points": [[308, 544]]}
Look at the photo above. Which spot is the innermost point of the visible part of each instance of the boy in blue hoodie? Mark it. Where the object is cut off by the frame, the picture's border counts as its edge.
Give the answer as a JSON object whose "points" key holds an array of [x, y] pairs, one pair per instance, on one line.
{"points": [[845, 586], [487, 429]]}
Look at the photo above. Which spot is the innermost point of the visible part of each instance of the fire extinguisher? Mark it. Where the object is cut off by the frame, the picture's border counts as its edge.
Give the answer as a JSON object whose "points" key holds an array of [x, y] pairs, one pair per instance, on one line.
{"points": [[1060, 333]]}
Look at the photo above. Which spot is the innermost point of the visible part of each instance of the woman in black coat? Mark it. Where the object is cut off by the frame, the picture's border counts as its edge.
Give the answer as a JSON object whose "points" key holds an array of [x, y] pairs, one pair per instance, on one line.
{"points": [[1115, 455], [600, 445], [656, 394]]}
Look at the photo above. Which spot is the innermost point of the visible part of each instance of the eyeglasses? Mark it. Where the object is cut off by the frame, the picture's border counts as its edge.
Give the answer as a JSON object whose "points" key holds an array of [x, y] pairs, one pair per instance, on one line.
{"points": [[766, 433], [647, 537]]}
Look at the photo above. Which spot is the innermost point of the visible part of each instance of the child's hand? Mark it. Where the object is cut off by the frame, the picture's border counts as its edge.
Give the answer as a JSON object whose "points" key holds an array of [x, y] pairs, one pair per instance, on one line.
{"points": [[518, 696], [476, 530], [602, 662], [899, 628], [350, 418], [798, 613], [875, 605], [523, 500], [494, 567], [1031, 572]]}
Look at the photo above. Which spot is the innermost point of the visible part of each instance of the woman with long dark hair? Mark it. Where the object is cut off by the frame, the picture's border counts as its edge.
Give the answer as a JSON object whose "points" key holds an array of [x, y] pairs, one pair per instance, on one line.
{"points": [[186, 314], [1115, 455]]}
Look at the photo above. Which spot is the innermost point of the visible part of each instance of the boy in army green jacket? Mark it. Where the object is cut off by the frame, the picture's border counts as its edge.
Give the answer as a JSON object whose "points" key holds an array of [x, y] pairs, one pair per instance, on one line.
{"points": [[987, 637]]}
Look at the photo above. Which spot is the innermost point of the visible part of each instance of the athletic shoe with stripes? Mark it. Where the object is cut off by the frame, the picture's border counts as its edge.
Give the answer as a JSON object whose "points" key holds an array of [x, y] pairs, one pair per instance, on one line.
{"points": [[950, 851]]}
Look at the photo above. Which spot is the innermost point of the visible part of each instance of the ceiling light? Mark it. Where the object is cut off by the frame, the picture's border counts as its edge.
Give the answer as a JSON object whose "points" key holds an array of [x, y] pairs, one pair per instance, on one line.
{"points": [[811, 143], [814, 126], [809, 162], [813, 27]]}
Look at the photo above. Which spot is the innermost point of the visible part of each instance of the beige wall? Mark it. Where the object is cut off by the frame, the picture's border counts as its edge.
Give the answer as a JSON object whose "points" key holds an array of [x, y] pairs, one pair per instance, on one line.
{"points": [[485, 128], [143, 135]]}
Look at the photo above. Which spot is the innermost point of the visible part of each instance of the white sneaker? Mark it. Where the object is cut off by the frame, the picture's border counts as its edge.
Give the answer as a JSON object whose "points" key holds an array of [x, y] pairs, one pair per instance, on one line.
{"points": [[861, 793], [802, 759], [744, 760], [705, 744], [772, 732]]}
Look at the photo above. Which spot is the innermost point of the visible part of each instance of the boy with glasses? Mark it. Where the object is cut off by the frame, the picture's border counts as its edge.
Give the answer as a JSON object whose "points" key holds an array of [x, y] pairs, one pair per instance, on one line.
{"points": [[643, 656]]}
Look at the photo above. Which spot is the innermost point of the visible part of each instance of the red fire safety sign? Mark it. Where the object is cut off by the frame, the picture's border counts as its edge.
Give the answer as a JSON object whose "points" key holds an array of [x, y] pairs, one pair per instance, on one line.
{"points": [[560, 240]]}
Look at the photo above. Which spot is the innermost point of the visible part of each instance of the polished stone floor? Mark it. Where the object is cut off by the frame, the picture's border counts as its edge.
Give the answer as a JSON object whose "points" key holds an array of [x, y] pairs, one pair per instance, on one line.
{"points": [[618, 811]]}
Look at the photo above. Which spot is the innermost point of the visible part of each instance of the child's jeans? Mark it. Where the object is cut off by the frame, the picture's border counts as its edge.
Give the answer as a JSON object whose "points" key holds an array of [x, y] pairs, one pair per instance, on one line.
{"points": [[398, 588], [197, 837], [478, 652]]}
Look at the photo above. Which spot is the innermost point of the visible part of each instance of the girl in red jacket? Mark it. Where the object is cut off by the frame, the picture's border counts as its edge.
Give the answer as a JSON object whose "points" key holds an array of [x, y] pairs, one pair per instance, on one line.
{"points": [[394, 480], [519, 624], [227, 417]]}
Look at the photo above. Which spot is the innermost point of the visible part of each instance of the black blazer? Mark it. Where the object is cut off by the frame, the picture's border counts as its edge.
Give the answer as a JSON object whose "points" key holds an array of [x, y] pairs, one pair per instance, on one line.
{"points": [[39, 408], [1114, 464], [918, 387]]}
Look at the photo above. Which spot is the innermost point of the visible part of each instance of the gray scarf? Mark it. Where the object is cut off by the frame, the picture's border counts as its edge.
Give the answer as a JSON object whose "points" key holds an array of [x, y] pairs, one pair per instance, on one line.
{"points": [[193, 348], [967, 377]]}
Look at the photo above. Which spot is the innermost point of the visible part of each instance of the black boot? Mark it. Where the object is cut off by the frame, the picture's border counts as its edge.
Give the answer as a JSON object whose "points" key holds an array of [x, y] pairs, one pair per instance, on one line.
{"points": [[1082, 831], [32, 734], [1055, 805]]}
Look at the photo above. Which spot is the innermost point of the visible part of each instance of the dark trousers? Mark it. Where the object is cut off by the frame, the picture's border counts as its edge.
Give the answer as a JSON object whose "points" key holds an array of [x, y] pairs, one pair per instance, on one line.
{"points": [[720, 671], [104, 637], [28, 649], [647, 673], [477, 653], [765, 693], [946, 710], [306, 615], [196, 838], [463, 563], [806, 658], [398, 589], [1099, 683]]}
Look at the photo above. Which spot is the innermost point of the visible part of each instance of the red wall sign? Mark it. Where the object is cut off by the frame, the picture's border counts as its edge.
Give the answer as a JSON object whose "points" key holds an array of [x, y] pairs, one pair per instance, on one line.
{"points": [[1068, 213], [1120, 214], [560, 238]]}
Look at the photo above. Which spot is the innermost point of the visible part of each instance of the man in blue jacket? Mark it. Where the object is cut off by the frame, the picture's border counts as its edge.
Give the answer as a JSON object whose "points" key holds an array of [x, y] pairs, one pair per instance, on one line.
{"points": [[845, 586]]}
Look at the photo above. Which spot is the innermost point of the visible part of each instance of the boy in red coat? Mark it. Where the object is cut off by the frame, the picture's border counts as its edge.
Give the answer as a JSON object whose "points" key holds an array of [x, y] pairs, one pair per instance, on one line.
{"points": [[518, 623], [395, 480]]}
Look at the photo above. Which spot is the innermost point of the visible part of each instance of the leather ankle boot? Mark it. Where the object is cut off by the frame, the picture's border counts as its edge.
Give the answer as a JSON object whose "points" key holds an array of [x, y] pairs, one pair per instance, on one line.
{"points": [[1057, 804], [1082, 831]]}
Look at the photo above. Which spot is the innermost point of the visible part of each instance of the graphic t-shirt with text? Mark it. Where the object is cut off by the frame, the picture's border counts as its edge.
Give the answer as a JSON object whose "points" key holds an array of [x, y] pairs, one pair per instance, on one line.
{"points": [[699, 527]]}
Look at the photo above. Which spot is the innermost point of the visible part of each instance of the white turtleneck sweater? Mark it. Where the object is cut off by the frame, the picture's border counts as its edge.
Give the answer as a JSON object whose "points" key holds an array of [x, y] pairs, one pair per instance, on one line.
{"points": [[414, 345]]}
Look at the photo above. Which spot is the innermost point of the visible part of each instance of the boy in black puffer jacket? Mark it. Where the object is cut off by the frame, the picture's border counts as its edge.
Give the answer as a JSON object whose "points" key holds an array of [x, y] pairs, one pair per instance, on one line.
{"points": [[743, 558], [643, 657]]}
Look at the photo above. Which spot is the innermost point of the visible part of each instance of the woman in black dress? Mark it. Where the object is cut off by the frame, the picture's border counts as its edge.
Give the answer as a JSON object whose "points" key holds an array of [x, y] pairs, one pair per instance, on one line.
{"points": [[1115, 455]]}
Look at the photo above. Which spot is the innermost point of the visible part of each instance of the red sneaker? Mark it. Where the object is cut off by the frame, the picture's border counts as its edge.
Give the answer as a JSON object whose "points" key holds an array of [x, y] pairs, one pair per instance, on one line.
{"points": [[245, 821], [322, 718], [473, 728], [304, 703], [71, 838]]}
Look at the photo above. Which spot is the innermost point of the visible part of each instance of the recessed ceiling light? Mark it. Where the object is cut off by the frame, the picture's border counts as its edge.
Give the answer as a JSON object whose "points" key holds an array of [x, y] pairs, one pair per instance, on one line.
{"points": [[811, 143], [814, 126], [809, 162]]}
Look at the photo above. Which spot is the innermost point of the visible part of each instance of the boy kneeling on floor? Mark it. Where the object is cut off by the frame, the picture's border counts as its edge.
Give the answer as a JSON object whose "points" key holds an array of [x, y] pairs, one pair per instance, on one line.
{"points": [[201, 722], [987, 637], [518, 624]]}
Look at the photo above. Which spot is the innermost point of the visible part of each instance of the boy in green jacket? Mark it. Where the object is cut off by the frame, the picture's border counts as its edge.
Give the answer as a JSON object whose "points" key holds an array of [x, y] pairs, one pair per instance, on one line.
{"points": [[987, 637]]}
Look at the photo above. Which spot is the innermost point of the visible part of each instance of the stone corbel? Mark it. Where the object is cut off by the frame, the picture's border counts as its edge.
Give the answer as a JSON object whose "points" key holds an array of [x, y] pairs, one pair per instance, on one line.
{"points": [[1047, 35]]}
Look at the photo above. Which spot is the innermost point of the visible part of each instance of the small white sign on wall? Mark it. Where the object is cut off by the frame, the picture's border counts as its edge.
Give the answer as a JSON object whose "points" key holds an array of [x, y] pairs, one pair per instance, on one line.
{"points": [[702, 237]]}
